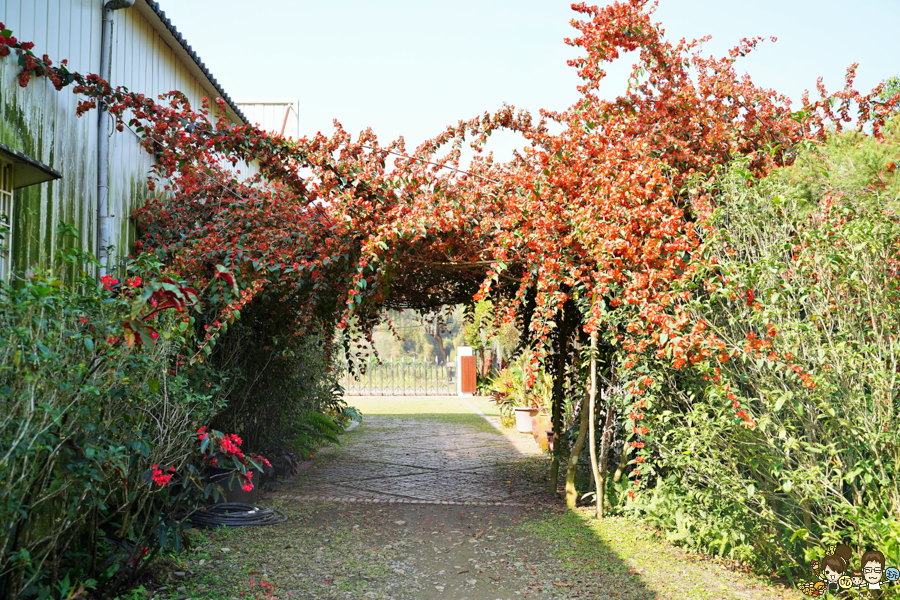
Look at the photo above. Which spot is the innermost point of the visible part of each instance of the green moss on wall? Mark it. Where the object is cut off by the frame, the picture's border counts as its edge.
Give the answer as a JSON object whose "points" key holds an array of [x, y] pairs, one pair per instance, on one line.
{"points": [[28, 246]]}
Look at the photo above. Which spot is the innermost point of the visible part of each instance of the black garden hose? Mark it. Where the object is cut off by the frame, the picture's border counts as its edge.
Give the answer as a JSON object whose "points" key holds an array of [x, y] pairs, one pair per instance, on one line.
{"points": [[235, 514]]}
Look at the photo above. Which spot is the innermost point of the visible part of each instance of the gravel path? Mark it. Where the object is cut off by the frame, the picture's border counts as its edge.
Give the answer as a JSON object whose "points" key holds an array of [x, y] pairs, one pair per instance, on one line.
{"points": [[404, 459], [427, 500]]}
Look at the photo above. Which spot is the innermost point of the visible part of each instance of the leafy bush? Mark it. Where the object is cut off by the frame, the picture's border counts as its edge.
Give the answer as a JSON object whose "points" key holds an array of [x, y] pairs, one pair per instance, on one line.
{"points": [[86, 420], [284, 385], [807, 278], [509, 391]]}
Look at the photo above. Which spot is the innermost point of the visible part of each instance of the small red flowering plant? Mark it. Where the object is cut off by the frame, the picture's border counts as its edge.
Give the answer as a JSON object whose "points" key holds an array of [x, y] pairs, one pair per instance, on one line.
{"points": [[223, 451]]}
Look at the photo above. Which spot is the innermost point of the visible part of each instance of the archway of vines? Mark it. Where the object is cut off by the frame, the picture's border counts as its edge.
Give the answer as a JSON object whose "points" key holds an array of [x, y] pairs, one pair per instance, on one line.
{"points": [[597, 230]]}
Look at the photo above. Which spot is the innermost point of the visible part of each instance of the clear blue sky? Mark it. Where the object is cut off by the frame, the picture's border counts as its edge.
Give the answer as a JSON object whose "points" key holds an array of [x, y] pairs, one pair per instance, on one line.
{"points": [[411, 67]]}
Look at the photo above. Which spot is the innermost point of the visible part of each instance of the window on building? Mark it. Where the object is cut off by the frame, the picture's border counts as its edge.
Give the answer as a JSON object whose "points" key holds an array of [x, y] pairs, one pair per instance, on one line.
{"points": [[17, 170], [6, 211]]}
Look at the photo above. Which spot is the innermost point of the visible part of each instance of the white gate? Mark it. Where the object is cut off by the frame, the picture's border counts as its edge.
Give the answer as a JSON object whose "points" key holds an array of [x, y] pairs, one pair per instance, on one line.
{"points": [[399, 377]]}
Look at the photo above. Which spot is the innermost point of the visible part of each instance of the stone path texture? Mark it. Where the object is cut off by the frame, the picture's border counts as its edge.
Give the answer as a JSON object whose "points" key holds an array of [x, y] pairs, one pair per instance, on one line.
{"points": [[408, 460], [427, 500]]}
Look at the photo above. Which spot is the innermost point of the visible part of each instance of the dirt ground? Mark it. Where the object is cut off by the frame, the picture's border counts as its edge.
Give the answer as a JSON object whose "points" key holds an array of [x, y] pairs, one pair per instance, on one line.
{"points": [[427, 499]]}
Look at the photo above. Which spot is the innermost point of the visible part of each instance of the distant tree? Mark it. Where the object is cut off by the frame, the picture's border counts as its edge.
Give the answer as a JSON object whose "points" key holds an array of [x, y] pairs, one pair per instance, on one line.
{"points": [[438, 324], [409, 333], [478, 329], [488, 334], [891, 89]]}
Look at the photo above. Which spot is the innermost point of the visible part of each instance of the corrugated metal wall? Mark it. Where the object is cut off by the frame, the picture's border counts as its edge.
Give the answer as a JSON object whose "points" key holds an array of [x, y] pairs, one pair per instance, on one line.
{"points": [[41, 122], [270, 115], [142, 62]]}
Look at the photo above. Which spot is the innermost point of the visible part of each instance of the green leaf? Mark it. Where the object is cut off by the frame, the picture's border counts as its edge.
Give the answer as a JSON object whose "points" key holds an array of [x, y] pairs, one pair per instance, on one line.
{"points": [[780, 402], [89, 344], [153, 385], [801, 533]]}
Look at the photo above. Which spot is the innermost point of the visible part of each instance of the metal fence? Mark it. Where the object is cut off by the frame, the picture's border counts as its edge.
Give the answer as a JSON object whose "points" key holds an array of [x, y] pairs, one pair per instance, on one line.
{"points": [[400, 377]]}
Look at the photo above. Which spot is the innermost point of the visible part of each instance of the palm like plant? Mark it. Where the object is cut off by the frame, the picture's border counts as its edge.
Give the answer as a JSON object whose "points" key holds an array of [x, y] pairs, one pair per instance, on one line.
{"points": [[510, 392]]}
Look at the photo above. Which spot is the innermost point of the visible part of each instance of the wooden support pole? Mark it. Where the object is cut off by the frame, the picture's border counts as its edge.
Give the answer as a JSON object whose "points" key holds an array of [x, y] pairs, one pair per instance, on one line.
{"points": [[592, 438], [559, 376], [604, 450], [571, 492]]}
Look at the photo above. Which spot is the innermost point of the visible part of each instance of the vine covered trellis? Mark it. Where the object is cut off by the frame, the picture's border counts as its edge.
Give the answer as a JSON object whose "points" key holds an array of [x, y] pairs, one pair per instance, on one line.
{"points": [[596, 230]]}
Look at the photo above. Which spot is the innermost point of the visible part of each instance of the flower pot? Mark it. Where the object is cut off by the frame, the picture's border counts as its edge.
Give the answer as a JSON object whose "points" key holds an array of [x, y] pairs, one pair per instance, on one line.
{"points": [[540, 424], [524, 415], [233, 485], [542, 441]]}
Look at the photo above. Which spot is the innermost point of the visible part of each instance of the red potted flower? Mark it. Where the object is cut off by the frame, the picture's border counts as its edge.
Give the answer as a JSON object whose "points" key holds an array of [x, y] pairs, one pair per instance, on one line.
{"points": [[228, 467]]}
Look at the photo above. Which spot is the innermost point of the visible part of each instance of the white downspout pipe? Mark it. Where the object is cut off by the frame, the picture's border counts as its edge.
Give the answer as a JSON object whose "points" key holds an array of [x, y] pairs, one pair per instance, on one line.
{"points": [[104, 236]]}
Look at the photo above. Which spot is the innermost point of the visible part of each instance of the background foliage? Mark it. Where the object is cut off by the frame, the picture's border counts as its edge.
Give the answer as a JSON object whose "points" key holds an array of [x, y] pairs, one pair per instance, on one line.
{"points": [[84, 417], [807, 267]]}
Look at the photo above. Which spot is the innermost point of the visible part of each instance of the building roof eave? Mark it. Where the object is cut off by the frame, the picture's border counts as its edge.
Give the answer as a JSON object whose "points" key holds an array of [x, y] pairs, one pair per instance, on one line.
{"points": [[173, 38], [26, 170]]}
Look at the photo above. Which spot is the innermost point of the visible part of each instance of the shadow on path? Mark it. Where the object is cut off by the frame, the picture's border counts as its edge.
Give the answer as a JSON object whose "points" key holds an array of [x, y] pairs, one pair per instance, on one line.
{"points": [[426, 500]]}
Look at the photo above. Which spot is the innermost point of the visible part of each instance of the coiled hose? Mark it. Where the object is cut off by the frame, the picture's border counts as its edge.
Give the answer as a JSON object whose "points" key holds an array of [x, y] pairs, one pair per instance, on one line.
{"points": [[235, 514]]}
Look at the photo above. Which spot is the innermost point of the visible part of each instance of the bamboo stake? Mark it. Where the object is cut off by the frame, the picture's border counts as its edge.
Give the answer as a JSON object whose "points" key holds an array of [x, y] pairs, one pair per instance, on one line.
{"points": [[593, 426], [604, 449]]}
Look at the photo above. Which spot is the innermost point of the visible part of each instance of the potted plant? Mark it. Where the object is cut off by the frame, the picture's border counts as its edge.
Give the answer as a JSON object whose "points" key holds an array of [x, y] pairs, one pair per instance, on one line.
{"points": [[509, 391], [227, 467], [524, 417]]}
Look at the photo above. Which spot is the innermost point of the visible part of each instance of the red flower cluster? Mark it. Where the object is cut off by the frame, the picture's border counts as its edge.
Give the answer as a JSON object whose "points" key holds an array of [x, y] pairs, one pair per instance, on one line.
{"points": [[160, 478], [108, 282], [144, 551], [231, 444]]}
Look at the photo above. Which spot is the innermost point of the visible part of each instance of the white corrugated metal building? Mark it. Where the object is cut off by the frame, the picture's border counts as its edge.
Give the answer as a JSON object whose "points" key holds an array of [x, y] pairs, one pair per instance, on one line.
{"points": [[42, 139], [275, 115]]}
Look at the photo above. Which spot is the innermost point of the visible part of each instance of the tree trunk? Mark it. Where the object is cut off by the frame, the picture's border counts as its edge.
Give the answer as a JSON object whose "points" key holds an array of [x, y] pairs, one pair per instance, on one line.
{"points": [[604, 453], [436, 335], [571, 492], [528, 309], [592, 438], [559, 376], [623, 462]]}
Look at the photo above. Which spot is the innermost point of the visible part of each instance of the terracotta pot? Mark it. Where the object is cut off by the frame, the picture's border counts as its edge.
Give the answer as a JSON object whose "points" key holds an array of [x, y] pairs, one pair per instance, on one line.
{"points": [[524, 416], [540, 424]]}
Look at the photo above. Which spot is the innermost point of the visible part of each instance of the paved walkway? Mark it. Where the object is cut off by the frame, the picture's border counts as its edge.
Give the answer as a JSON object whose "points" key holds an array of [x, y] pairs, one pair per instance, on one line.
{"points": [[433, 503], [428, 461]]}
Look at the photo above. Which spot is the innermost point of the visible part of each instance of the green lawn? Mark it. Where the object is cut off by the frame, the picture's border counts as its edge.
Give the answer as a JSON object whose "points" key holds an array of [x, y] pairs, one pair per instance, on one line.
{"points": [[447, 409]]}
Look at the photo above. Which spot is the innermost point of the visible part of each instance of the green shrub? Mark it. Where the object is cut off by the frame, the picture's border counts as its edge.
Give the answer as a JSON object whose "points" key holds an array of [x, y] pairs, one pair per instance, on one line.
{"points": [[282, 384], [810, 256], [84, 418]]}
